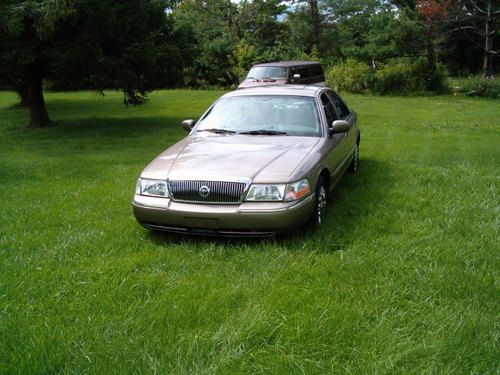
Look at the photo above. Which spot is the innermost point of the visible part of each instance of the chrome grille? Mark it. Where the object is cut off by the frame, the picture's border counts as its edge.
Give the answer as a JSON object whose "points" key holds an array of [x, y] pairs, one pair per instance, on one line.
{"points": [[221, 192]]}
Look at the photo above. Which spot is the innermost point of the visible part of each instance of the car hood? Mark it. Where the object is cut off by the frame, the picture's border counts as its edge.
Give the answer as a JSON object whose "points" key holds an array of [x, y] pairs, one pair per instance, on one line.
{"points": [[232, 158]]}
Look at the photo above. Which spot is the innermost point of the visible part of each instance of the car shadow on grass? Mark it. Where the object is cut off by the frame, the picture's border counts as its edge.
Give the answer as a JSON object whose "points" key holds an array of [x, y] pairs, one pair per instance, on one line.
{"points": [[352, 201]]}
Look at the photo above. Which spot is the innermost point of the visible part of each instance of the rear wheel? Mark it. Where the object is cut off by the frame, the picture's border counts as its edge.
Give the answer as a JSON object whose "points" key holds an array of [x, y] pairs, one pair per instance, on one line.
{"points": [[354, 166], [321, 202]]}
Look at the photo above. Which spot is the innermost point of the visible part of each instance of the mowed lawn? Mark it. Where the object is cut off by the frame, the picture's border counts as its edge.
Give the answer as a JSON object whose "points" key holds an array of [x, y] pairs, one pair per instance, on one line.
{"points": [[402, 279]]}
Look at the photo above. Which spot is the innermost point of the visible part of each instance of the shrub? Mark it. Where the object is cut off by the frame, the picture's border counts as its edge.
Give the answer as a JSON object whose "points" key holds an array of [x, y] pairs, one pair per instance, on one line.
{"points": [[399, 77], [393, 78], [244, 56], [350, 76], [476, 86], [396, 77]]}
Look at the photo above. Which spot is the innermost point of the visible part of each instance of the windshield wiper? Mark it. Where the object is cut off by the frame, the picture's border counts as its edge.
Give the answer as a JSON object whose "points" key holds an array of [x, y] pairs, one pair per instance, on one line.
{"points": [[264, 132], [218, 131]]}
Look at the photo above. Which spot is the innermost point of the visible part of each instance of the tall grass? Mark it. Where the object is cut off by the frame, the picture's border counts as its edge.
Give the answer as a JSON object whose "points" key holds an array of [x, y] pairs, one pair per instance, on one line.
{"points": [[402, 278]]}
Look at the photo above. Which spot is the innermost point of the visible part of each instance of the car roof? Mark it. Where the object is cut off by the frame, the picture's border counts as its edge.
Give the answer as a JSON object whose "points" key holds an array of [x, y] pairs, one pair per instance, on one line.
{"points": [[287, 64], [293, 90]]}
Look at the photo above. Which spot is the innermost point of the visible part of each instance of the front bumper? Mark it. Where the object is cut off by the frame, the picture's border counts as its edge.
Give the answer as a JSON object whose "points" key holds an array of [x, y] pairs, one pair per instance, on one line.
{"points": [[244, 220]]}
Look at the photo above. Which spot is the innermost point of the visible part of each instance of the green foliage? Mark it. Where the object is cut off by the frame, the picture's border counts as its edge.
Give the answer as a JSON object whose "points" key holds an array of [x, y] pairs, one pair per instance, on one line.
{"points": [[256, 21], [388, 35], [298, 31], [245, 55], [409, 78], [402, 279], [91, 44], [230, 38], [212, 65], [398, 76], [350, 76], [476, 86], [282, 52], [214, 42]]}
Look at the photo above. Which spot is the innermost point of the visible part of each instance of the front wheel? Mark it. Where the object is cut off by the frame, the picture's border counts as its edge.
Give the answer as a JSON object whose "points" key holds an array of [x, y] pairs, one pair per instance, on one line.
{"points": [[354, 166], [321, 202]]}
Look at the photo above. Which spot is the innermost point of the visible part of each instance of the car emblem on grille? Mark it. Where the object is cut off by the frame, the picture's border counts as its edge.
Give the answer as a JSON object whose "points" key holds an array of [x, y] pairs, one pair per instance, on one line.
{"points": [[204, 191]]}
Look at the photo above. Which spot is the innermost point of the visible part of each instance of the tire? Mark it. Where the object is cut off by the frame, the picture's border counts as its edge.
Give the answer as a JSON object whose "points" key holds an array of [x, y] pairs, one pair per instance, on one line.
{"points": [[354, 165], [321, 203]]}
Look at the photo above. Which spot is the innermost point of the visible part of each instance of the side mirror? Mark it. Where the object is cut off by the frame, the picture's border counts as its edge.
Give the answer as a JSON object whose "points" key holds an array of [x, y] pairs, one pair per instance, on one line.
{"points": [[339, 126], [187, 125]]}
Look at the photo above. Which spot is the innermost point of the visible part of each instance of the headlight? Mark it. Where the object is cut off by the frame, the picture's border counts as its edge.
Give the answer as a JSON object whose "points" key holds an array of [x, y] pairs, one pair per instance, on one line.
{"points": [[153, 188], [272, 192], [297, 190], [266, 193]]}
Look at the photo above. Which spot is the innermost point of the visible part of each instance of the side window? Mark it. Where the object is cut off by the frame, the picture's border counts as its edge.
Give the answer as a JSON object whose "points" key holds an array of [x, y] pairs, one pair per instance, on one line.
{"points": [[292, 72], [330, 113], [340, 107], [304, 72]]}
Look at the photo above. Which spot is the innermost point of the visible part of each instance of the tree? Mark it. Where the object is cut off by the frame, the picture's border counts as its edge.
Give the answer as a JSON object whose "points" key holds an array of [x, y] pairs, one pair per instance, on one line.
{"points": [[352, 20], [92, 44], [485, 14], [315, 18], [473, 19], [229, 36], [214, 40], [390, 35]]}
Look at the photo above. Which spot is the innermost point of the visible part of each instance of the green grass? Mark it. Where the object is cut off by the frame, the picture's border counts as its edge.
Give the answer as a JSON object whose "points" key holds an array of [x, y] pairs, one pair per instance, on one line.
{"points": [[402, 279]]}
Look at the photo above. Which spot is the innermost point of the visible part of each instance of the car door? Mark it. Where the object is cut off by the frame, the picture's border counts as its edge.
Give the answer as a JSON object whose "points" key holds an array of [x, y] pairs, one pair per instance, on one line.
{"points": [[334, 142], [343, 113]]}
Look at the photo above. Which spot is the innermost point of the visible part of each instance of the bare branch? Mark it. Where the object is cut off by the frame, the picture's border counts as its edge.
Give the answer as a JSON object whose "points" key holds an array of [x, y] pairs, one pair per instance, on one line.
{"points": [[477, 8], [475, 29], [451, 20]]}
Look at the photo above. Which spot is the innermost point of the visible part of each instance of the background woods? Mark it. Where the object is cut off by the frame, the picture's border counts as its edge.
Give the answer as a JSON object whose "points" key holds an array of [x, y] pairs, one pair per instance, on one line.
{"points": [[381, 46]]}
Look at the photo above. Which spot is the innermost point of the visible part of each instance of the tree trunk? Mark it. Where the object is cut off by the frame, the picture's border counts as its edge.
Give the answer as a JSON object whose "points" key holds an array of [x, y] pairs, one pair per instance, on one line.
{"points": [[39, 117], [229, 19], [23, 94], [488, 46], [315, 24]]}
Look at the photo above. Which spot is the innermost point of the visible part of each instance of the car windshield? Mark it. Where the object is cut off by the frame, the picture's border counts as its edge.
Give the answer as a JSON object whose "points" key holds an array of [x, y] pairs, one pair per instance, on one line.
{"points": [[273, 72], [263, 115]]}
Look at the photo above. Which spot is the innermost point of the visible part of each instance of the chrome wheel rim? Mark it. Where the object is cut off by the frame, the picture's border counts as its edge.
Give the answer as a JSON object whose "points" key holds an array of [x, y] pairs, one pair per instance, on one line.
{"points": [[321, 205]]}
